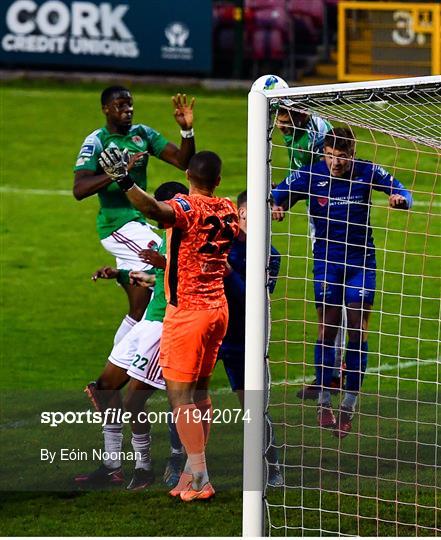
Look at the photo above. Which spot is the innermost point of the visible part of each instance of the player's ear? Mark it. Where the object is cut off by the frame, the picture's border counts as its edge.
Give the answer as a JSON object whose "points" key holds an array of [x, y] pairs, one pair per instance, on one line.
{"points": [[218, 179]]}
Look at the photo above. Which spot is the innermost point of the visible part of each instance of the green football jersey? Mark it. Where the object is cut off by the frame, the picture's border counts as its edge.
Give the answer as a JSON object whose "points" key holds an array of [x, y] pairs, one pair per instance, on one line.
{"points": [[305, 145], [158, 303], [115, 209]]}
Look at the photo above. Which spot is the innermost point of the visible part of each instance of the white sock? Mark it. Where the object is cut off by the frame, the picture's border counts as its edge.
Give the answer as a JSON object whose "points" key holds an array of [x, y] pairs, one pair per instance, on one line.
{"points": [[141, 445], [349, 400], [199, 470], [187, 468], [126, 325], [113, 439], [324, 397]]}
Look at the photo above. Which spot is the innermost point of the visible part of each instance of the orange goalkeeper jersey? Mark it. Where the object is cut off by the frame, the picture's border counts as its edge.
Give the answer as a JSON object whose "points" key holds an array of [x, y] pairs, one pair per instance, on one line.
{"points": [[197, 247]]}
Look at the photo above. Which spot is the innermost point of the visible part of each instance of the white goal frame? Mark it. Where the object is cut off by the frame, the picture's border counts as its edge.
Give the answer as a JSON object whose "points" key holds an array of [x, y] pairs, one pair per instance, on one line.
{"points": [[257, 304]]}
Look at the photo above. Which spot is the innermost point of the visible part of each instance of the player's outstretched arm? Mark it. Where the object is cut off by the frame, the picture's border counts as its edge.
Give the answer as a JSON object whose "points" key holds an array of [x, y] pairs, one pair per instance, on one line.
{"points": [[398, 201], [105, 272], [116, 165], [150, 207], [183, 113], [399, 196], [141, 279], [87, 182]]}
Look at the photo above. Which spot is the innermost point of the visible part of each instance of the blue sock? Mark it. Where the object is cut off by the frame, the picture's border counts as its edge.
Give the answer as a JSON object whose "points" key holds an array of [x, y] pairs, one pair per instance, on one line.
{"points": [[324, 357], [356, 363]]}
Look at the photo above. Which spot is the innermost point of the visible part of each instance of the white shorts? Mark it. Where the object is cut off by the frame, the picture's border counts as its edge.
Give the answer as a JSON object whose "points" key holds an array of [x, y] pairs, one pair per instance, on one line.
{"points": [[138, 353], [125, 244]]}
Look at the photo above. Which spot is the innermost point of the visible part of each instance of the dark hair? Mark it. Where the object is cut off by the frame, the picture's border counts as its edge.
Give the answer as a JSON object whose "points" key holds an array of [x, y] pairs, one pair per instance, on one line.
{"points": [[168, 190], [241, 198], [205, 168], [340, 138], [108, 93]]}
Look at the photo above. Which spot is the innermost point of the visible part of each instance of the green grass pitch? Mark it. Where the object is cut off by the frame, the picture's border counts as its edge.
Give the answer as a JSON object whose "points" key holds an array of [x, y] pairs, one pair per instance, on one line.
{"points": [[57, 329]]}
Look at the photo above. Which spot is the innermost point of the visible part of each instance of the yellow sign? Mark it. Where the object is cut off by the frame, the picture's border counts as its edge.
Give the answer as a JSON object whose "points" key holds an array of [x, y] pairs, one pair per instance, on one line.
{"points": [[388, 39]]}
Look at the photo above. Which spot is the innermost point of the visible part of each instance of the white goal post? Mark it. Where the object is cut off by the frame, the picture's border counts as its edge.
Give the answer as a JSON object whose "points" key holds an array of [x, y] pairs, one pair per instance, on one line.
{"points": [[373, 109]]}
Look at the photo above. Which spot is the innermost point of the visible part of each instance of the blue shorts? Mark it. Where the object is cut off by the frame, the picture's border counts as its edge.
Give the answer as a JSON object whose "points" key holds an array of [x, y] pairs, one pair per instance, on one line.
{"points": [[335, 283], [234, 364]]}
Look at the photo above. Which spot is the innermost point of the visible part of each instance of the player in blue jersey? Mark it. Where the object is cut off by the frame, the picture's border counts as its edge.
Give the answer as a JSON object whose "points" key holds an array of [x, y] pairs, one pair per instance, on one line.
{"points": [[339, 190], [232, 350], [304, 135]]}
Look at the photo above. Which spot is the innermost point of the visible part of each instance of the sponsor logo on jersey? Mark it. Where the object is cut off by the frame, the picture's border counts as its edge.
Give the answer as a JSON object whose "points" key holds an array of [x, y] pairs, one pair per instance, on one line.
{"points": [[185, 205], [87, 150], [137, 140], [345, 200], [323, 184], [323, 201]]}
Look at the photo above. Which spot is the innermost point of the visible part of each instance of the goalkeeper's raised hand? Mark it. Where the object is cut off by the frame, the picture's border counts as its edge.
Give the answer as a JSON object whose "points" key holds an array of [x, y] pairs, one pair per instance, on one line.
{"points": [[115, 163]]}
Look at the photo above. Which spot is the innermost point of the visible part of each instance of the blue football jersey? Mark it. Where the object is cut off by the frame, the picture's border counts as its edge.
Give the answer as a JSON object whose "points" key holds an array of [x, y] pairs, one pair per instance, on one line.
{"points": [[235, 291], [340, 207]]}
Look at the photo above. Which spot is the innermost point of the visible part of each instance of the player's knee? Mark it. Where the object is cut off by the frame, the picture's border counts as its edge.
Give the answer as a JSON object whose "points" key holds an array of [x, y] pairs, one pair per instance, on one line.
{"points": [[355, 336], [107, 383], [328, 333]]}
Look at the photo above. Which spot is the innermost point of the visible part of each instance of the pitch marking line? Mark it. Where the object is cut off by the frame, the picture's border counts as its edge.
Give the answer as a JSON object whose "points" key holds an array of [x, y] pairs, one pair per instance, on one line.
{"points": [[65, 192], [369, 371], [26, 191]]}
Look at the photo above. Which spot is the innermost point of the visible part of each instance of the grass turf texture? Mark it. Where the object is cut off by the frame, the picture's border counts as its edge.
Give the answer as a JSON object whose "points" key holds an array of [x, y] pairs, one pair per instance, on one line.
{"points": [[58, 326]]}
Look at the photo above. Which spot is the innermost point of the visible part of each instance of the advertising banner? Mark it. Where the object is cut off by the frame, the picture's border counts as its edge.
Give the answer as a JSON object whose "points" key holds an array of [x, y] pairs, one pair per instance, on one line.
{"points": [[143, 35]]}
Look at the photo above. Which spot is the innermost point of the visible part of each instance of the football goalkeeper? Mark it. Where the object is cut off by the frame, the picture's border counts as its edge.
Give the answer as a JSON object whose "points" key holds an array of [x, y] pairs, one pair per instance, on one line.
{"points": [[232, 350], [339, 190], [304, 135]]}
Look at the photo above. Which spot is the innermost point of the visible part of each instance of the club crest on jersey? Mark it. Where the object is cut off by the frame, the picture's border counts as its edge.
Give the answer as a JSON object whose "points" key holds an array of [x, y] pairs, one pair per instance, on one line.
{"points": [[137, 140], [185, 205], [323, 201]]}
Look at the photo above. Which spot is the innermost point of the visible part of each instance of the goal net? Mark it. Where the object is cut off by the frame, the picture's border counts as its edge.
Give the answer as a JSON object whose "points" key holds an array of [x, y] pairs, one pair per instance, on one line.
{"points": [[374, 472]]}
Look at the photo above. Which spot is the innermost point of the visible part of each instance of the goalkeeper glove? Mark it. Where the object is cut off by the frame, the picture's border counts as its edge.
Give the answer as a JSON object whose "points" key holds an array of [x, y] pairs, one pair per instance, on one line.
{"points": [[115, 164]]}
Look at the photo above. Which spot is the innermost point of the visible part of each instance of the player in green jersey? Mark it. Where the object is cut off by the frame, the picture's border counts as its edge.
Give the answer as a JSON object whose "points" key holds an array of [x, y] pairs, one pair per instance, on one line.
{"points": [[304, 135], [137, 356], [121, 228]]}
